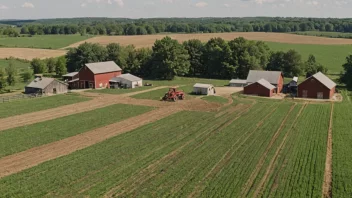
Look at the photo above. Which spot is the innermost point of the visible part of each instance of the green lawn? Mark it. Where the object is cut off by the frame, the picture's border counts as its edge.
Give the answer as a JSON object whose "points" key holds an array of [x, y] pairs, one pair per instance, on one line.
{"points": [[187, 81], [119, 91], [42, 41], [20, 65], [22, 138], [37, 104], [331, 56], [216, 99]]}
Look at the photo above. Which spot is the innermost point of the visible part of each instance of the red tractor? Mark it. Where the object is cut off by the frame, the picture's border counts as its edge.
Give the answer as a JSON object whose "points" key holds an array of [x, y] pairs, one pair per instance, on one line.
{"points": [[174, 95]]}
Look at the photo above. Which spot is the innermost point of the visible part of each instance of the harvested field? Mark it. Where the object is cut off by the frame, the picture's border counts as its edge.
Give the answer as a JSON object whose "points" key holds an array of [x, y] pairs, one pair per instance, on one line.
{"points": [[29, 54], [148, 40]]}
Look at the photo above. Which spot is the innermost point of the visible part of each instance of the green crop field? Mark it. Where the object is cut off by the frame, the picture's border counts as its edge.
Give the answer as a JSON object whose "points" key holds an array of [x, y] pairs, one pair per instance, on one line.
{"points": [[342, 148], [331, 56], [42, 41], [272, 149], [22, 138], [37, 104]]}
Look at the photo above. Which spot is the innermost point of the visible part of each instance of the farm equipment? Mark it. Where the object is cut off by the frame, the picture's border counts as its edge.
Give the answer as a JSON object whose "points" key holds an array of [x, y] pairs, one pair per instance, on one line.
{"points": [[174, 95]]}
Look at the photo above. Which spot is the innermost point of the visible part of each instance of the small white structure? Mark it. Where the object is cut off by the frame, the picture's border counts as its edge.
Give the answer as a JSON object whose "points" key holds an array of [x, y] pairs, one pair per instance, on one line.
{"points": [[203, 89], [126, 81], [238, 83]]}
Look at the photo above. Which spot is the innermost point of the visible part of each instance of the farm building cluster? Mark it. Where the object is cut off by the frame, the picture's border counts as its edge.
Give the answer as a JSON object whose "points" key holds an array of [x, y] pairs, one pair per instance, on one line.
{"points": [[90, 76], [268, 83]]}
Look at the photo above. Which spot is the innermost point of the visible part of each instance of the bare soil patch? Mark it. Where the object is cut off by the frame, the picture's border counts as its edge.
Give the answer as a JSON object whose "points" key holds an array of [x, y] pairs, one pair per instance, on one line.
{"points": [[148, 40], [226, 91], [328, 163], [29, 54]]}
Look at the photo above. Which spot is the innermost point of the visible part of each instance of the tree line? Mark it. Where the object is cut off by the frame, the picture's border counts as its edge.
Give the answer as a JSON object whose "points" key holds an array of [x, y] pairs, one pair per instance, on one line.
{"points": [[10, 32], [216, 58], [183, 25]]}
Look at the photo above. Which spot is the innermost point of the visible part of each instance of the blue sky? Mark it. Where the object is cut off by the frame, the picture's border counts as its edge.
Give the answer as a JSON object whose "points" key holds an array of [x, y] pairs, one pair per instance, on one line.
{"points": [[34, 9]]}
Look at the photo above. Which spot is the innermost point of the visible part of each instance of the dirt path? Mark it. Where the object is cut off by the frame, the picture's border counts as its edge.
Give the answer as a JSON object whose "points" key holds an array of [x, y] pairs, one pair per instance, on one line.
{"points": [[327, 193], [260, 164], [270, 168], [32, 157]]}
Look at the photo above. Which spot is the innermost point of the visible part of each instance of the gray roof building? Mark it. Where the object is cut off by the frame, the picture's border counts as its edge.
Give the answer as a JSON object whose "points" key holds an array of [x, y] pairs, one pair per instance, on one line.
{"points": [[266, 84], [270, 76], [103, 67], [200, 85], [238, 81], [40, 83], [70, 74], [127, 76]]}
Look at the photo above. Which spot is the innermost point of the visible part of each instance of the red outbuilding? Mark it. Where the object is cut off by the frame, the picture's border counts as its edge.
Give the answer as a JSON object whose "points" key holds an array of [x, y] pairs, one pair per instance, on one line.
{"points": [[98, 75], [260, 88], [317, 86], [275, 78]]}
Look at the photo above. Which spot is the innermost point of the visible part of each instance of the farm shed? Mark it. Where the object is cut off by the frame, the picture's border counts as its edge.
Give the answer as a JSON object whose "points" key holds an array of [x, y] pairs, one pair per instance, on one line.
{"points": [[275, 78], [126, 81], [203, 89], [260, 88], [98, 75], [237, 83], [46, 86], [72, 79], [317, 86]]}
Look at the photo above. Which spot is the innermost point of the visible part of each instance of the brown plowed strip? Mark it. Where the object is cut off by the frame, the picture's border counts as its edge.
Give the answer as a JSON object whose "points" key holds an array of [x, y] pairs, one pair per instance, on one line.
{"points": [[99, 101], [32, 157], [327, 193], [260, 164], [270, 168], [29, 54]]}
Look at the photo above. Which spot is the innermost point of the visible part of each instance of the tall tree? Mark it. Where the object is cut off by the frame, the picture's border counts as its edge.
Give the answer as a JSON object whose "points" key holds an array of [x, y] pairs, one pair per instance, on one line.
{"points": [[2, 80], [118, 54], [60, 67], [144, 57], [293, 64], [38, 66], [85, 53], [195, 50], [276, 61], [169, 59], [50, 64], [346, 77], [311, 66], [26, 76], [11, 74], [217, 59]]}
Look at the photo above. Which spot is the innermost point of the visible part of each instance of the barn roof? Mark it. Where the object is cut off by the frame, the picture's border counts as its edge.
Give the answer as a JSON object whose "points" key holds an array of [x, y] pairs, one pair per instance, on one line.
{"points": [[103, 67], [238, 81], [270, 76], [70, 74], [327, 82], [40, 83], [200, 85], [266, 84], [127, 76], [295, 79]]}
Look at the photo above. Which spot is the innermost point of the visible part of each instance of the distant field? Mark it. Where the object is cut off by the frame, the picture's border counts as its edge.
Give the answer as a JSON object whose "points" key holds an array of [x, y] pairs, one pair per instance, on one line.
{"points": [[29, 54], [41, 41], [37, 104], [22, 138], [148, 40], [21, 66], [326, 34], [331, 56]]}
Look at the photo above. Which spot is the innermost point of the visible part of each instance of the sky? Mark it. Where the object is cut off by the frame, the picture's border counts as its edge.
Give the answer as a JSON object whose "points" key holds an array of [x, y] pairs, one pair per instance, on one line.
{"points": [[39, 9]]}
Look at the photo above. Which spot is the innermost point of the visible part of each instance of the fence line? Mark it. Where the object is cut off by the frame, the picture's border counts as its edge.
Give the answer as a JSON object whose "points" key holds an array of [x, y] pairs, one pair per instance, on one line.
{"points": [[10, 98]]}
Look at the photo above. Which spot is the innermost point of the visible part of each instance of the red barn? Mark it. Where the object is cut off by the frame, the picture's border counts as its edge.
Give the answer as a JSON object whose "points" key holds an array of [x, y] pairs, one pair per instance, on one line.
{"points": [[275, 78], [260, 88], [317, 86], [98, 75]]}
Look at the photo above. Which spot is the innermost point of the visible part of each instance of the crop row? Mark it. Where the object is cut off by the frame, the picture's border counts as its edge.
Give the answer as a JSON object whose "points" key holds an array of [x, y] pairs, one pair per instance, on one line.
{"points": [[299, 168], [342, 149]]}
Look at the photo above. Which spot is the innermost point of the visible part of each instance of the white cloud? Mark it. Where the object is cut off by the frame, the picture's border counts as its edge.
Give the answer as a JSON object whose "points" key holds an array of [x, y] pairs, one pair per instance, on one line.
{"points": [[83, 5], [120, 3], [226, 5], [314, 3], [28, 5], [3, 7], [201, 4]]}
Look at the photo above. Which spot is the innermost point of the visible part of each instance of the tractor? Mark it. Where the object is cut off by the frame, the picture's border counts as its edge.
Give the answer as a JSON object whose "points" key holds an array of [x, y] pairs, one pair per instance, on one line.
{"points": [[174, 95]]}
